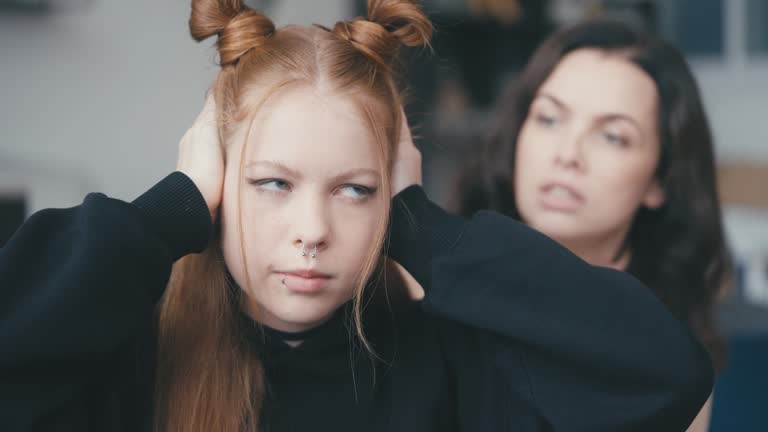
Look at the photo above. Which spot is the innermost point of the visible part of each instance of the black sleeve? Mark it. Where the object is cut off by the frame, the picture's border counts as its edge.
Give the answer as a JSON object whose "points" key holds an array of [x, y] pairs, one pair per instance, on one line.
{"points": [[600, 351], [78, 284]]}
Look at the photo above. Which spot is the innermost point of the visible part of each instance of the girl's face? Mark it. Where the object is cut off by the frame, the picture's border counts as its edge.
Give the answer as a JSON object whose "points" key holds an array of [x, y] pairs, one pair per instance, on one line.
{"points": [[588, 150], [311, 184]]}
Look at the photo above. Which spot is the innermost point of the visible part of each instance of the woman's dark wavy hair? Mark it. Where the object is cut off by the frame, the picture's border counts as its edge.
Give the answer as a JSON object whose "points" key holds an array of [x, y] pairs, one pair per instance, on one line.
{"points": [[677, 250]]}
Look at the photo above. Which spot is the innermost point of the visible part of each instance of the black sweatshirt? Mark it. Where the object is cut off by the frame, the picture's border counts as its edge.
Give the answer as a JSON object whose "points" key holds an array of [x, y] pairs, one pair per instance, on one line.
{"points": [[515, 333]]}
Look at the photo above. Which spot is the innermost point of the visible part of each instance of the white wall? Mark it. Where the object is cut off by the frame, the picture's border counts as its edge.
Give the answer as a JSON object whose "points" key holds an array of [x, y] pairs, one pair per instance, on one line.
{"points": [[736, 100], [97, 98], [735, 91]]}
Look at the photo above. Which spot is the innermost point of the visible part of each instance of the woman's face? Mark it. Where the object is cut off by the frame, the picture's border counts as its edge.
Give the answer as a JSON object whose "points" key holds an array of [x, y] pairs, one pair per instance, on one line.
{"points": [[310, 179], [587, 153]]}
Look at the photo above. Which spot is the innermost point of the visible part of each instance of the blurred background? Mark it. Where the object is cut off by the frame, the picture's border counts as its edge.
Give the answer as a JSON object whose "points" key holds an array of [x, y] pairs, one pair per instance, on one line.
{"points": [[95, 94]]}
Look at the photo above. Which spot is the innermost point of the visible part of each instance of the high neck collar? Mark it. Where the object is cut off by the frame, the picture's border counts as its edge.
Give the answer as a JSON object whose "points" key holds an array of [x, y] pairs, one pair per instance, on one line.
{"points": [[325, 348], [324, 330]]}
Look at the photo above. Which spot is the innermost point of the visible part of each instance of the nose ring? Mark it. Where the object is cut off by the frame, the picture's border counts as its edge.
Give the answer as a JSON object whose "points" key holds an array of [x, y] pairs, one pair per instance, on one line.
{"points": [[312, 253]]}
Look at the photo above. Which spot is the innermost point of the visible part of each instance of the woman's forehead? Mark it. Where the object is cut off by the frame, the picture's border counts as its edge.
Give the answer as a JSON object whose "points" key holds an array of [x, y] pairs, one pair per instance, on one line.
{"points": [[601, 83], [306, 128]]}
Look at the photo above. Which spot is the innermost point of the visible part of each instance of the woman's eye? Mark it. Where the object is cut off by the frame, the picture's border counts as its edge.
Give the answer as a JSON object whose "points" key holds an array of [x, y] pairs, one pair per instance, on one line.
{"points": [[546, 120], [615, 139], [355, 191], [272, 185]]}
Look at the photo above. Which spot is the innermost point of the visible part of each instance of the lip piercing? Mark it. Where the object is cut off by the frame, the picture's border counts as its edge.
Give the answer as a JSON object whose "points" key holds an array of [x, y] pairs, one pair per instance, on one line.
{"points": [[283, 281]]}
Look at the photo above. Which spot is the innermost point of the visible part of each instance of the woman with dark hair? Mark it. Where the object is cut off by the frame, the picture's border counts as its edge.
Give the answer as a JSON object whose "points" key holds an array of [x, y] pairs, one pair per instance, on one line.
{"points": [[603, 144]]}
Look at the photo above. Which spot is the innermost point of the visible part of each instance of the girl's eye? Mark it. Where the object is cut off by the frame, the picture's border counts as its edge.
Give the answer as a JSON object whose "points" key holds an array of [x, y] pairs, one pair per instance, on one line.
{"points": [[272, 185], [355, 191]]}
